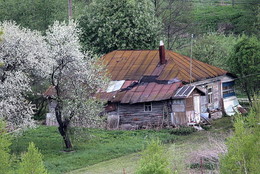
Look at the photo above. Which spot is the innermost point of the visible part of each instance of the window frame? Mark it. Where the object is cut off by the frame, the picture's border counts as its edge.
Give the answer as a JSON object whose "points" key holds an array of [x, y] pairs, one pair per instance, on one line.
{"points": [[148, 107], [210, 94], [228, 90]]}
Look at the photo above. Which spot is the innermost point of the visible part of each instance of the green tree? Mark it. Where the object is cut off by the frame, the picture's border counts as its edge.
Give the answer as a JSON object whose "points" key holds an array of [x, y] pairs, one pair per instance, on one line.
{"points": [[245, 63], [39, 14], [246, 22], [176, 20], [34, 14], [243, 154], [213, 48], [32, 162], [154, 160], [5, 142], [119, 24]]}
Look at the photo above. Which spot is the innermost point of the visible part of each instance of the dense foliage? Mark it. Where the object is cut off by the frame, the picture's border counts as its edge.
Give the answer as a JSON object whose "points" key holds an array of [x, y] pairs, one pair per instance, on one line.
{"points": [[5, 143], [23, 53], [119, 24], [243, 147], [39, 14], [35, 14], [75, 76], [31, 162], [154, 160], [176, 20], [214, 49], [245, 63]]}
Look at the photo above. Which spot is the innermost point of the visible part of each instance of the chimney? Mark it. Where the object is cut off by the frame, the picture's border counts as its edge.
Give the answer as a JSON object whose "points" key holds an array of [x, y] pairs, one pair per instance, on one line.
{"points": [[162, 53]]}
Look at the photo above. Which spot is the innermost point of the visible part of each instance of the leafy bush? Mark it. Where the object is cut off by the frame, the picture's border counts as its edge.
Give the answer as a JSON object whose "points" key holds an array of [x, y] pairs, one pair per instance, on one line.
{"points": [[154, 160], [5, 142], [243, 154], [183, 131], [206, 165], [205, 127], [32, 162]]}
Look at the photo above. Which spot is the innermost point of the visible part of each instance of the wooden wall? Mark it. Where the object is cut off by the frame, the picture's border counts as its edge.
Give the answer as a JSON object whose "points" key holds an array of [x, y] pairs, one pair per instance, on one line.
{"points": [[134, 114]]}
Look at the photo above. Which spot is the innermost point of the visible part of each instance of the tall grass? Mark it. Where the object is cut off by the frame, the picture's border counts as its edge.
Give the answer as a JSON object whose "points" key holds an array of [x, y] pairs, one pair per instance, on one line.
{"points": [[93, 146]]}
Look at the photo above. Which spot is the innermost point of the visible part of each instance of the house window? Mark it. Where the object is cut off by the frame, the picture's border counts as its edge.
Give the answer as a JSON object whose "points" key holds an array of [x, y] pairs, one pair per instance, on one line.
{"points": [[210, 94], [228, 89], [147, 106]]}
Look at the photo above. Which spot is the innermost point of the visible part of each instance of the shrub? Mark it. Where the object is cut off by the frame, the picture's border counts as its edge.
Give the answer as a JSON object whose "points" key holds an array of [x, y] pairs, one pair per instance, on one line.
{"points": [[32, 162], [183, 131], [5, 142], [205, 165], [205, 127], [243, 154], [154, 160]]}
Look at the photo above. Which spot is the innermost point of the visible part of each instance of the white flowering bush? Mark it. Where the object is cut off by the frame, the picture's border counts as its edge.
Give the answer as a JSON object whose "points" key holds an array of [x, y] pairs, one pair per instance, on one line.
{"points": [[57, 56], [75, 76], [22, 53]]}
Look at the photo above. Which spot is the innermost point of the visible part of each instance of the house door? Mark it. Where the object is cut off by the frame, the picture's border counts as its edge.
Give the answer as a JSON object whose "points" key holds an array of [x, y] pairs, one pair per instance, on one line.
{"points": [[197, 108]]}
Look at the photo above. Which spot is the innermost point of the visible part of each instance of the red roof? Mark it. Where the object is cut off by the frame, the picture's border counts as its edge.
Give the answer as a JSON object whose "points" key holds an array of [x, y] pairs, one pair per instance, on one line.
{"points": [[141, 92], [147, 80], [134, 64]]}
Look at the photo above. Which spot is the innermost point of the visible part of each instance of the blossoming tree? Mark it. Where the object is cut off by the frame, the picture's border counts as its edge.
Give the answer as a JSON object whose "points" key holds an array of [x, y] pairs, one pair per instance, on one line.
{"points": [[22, 53], [75, 76]]}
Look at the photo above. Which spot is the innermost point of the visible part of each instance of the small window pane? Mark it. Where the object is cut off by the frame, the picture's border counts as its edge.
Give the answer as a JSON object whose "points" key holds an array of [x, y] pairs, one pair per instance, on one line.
{"points": [[147, 107]]}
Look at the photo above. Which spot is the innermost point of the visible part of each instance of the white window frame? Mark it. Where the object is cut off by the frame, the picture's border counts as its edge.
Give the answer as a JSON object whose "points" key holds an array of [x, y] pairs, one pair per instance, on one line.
{"points": [[148, 107], [210, 94]]}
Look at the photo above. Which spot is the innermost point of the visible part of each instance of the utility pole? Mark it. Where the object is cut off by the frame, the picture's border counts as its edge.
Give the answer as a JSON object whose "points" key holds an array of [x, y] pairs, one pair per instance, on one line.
{"points": [[233, 3], [70, 9], [191, 58]]}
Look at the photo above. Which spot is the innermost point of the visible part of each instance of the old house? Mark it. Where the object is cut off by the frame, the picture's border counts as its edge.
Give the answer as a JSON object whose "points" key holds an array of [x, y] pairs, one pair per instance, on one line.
{"points": [[162, 87]]}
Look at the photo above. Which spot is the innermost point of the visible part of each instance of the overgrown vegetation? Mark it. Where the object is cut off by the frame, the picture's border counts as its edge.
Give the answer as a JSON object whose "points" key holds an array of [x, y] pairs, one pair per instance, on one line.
{"points": [[243, 154], [94, 146], [31, 162], [154, 160], [183, 130], [5, 142], [110, 25]]}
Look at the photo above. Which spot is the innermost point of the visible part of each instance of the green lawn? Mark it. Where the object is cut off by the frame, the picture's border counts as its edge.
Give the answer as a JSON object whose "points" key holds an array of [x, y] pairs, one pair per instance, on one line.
{"points": [[180, 152], [93, 147], [98, 150]]}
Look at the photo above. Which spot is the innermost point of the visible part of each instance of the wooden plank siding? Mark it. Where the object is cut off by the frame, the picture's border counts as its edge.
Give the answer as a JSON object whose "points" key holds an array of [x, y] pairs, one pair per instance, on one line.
{"points": [[134, 114]]}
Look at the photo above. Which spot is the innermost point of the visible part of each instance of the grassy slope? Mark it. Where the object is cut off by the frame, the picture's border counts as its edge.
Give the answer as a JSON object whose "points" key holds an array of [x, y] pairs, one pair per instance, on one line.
{"points": [[100, 149], [94, 146], [179, 152]]}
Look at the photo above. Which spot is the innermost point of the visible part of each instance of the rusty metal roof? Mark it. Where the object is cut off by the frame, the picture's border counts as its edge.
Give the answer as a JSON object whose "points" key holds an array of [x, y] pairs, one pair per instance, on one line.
{"points": [[141, 92], [134, 64]]}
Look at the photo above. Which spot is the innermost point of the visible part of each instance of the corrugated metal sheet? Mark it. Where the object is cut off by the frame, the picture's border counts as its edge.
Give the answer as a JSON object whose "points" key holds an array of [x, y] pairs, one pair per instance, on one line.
{"points": [[141, 92], [184, 92], [147, 80], [134, 64]]}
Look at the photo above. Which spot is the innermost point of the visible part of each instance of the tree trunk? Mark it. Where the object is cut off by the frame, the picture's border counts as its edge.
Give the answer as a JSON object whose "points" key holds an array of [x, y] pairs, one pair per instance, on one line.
{"points": [[63, 126], [64, 133], [247, 92]]}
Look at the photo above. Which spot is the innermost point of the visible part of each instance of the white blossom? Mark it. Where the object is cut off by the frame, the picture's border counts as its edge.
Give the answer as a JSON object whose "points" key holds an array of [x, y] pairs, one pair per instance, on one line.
{"points": [[22, 53], [75, 74]]}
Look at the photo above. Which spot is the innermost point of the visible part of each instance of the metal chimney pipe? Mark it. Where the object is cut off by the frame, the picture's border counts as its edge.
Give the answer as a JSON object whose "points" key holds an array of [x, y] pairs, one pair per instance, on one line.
{"points": [[162, 53]]}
